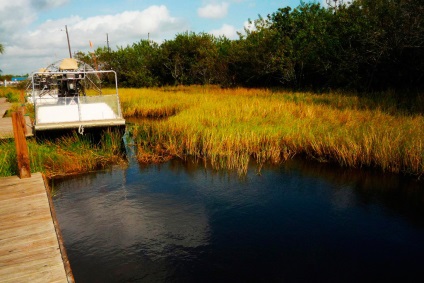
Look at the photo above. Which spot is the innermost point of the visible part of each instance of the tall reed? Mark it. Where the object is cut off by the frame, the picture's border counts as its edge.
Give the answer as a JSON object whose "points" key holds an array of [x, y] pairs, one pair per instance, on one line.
{"points": [[229, 126]]}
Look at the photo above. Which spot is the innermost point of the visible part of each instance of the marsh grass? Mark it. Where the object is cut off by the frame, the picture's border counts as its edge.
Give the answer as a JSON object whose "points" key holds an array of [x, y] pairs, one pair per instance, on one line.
{"points": [[146, 103], [66, 155], [227, 127]]}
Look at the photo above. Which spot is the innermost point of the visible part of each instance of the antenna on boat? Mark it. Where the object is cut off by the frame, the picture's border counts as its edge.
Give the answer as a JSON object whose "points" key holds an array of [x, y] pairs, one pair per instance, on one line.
{"points": [[69, 44], [335, 5], [107, 41]]}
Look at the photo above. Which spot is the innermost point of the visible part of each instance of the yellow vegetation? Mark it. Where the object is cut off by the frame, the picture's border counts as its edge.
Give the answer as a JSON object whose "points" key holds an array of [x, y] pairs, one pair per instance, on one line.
{"points": [[229, 126]]}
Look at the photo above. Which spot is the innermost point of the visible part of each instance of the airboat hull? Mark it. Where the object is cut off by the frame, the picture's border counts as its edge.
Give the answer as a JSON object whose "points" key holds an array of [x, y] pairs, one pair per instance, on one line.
{"points": [[81, 125]]}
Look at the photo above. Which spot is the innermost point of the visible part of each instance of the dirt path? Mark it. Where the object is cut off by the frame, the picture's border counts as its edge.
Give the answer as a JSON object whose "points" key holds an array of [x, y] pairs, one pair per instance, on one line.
{"points": [[6, 127]]}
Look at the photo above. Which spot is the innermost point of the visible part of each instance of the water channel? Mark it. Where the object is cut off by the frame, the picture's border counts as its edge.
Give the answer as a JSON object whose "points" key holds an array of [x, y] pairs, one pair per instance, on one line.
{"points": [[297, 222]]}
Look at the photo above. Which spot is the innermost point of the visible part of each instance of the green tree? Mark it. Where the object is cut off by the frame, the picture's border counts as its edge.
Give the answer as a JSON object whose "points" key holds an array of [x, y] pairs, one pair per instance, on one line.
{"points": [[193, 58], [136, 65], [365, 45], [222, 74], [395, 42], [258, 55], [307, 46]]}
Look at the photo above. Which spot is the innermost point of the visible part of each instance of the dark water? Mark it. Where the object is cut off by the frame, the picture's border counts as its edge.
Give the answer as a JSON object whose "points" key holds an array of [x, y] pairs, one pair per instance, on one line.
{"points": [[299, 222]]}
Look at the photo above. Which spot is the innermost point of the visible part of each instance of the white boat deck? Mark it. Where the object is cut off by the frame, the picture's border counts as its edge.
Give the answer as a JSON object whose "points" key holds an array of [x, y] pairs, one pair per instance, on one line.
{"points": [[74, 113]]}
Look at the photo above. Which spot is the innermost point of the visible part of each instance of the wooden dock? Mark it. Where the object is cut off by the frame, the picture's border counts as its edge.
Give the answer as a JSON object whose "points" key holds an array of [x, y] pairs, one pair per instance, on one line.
{"points": [[31, 248], [6, 127]]}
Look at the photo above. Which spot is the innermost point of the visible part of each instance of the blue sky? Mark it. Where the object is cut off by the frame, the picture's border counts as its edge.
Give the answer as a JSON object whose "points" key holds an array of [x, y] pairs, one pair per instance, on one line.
{"points": [[32, 31]]}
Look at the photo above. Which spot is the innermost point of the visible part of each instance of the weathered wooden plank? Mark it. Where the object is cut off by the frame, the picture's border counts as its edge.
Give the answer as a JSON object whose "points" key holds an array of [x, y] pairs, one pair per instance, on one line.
{"points": [[12, 186], [15, 258], [33, 198], [29, 246], [15, 181], [28, 205], [25, 264], [44, 272], [16, 197], [32, 266], [25, 212], [32, 261], [26, 230], [37, 233], [11, 225], [18, 205], [6, 128], [42, 276]]}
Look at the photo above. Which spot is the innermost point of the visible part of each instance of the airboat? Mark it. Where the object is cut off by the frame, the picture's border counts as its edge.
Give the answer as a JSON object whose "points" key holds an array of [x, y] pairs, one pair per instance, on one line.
{"points": [[68, 95]]}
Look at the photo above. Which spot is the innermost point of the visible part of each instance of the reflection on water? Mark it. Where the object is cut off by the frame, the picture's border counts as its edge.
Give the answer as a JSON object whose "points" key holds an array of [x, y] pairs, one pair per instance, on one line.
{"points": [[300, 221]]}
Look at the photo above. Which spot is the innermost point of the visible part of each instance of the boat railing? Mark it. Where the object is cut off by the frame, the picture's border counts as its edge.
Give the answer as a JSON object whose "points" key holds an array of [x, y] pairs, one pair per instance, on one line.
{"points": [[87, 102]]}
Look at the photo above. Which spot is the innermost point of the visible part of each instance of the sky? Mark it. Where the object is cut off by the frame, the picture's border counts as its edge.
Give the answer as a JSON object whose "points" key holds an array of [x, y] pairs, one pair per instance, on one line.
{"points": [[33, 31]]}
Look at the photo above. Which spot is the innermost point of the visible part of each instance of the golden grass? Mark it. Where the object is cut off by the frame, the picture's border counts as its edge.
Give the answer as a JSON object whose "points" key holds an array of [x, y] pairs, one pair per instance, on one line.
{"points": [[229, 126], [148, 104]]}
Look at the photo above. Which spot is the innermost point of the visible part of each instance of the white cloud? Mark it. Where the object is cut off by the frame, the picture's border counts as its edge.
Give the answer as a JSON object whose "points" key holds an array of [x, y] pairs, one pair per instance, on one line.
{"points": [[13, 15], [18, 14], [227, 30], [324, 3], [213, 11], [250, 26], [332, 3], [28, 50], [128, 26]]}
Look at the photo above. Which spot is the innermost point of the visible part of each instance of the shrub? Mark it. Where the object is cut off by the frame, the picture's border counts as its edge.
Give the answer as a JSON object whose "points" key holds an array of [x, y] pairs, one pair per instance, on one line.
{"points": [[12, 97]]}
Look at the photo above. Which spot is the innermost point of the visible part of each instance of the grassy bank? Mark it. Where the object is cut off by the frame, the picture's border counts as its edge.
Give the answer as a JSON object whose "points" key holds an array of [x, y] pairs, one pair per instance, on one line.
{"points": [[229, 126], [67, 155]]}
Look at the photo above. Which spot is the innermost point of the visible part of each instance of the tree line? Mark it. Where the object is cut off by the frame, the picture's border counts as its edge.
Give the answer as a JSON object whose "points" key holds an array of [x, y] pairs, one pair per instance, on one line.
{"points": [[365, 45]]}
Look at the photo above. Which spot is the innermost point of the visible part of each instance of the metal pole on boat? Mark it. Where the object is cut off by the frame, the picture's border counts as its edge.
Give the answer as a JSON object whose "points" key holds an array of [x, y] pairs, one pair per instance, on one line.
{"points": [[69, 44]]}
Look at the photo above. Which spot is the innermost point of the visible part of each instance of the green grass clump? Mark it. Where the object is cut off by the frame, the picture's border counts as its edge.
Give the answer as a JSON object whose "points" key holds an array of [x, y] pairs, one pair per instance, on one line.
{"points": [[12, 97], [12, 94], [229, 126], [67, 155]]}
